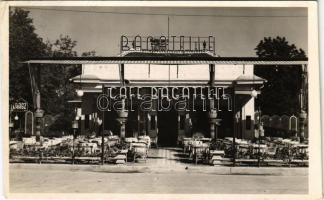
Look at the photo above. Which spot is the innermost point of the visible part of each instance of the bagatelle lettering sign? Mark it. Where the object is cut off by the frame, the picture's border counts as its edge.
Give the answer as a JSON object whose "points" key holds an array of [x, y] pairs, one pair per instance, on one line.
{"points": [[19, 106], [167, 43]]}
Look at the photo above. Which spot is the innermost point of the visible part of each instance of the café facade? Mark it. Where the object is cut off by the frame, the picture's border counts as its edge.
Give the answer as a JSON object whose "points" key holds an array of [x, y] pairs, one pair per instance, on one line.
{"points": [[167, 90]]}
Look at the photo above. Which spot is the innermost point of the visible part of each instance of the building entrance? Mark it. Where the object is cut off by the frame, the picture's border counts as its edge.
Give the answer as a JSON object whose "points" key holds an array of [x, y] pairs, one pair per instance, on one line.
{"points": [[168, 128]]}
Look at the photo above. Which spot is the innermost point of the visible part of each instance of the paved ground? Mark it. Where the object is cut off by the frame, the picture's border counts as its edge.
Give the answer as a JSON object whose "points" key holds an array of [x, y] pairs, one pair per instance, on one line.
{"points": [[166, 171]]}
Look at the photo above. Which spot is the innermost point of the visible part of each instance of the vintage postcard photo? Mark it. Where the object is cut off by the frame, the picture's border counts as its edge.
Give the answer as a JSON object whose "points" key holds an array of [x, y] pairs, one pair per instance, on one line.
{"points": [[172, 98]]}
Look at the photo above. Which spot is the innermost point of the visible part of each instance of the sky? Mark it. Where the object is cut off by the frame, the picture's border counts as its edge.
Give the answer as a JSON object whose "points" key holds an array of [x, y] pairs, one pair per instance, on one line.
{"points": [[237, 31]]}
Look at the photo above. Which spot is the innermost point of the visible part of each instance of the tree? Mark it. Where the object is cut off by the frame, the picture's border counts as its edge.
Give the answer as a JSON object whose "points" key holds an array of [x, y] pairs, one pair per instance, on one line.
{"points": [[24, 44], [57, 90], [280, 94], [55, 87], [278, 47], [89, 54]]}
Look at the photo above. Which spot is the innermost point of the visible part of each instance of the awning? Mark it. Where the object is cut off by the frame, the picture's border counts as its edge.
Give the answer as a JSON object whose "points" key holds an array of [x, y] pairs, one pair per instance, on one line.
{"points": [[192, 60]]}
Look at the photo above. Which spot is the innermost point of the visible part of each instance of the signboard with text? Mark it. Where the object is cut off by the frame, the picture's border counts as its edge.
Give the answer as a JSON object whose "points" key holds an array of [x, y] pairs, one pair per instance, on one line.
{"points": [[20, 105]]}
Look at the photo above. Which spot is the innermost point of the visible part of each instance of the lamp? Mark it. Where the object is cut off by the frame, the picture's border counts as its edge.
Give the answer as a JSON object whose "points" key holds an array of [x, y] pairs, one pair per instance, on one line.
{"points": [[254, 93], [261, 130], [75, 124], [99, 121], [16, 117], [80, 93]]}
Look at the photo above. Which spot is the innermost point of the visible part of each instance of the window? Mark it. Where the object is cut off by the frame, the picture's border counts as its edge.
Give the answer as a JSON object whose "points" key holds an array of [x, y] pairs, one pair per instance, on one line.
{"points": [[248, 122]]}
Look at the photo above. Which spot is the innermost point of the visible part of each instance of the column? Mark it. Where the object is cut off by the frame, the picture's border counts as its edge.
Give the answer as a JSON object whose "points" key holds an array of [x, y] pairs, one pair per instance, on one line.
{"points": [[122, 74], [303, 104], [122, 130], [212, 111], [122, 118], [138, 124], [39, 113], [122, 114], [213, 118]]}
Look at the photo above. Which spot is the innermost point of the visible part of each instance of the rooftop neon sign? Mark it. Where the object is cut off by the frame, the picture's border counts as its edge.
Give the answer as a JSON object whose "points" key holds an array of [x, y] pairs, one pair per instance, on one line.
{"points": [[167, 43]]}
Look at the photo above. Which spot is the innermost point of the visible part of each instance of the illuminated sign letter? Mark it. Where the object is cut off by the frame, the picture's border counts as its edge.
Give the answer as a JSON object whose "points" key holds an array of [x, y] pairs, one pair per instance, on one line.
{"points": [[163, 43], [210, 47], [137, 43], [181, 43], [149, 39], [124, 43], [173, 41]]}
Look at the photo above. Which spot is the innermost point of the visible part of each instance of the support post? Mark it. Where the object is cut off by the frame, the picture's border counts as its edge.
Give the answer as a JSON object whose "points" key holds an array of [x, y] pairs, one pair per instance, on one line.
{"points": [[212, 111], [234, 126], [138, 123], [102, 133], [123, 130], [122, 118], [303, 104], [73, 153], [39, 113], [122, 74], [123, 114]]}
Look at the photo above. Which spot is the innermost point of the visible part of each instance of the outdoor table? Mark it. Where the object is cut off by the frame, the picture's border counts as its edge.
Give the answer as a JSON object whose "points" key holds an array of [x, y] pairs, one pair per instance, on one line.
{"points": [[302, 148], [187, 144], [242, 149], [262, 147], [131, 139], [112, 142], [146, 140], [121, 156], [216, 156], [199, 151], [140, 150], [206, 140]]}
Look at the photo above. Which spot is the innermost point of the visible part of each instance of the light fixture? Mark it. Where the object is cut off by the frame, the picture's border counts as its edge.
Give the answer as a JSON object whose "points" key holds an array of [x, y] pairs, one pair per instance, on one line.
{"points": [[254, 93], [80, 93], [75, 124], [99, 121], [16, 117]]}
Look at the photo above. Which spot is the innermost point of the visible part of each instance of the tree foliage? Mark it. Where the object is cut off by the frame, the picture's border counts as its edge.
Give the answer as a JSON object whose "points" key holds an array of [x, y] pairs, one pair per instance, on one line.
{"points": [[24, 43], [278, 47], [89, 54], [55, 87], [280, 94]]}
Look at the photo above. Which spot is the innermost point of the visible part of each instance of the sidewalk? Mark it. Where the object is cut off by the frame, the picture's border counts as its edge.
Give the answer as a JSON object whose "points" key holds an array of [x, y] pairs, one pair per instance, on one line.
{"points": [[144, 168]]}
